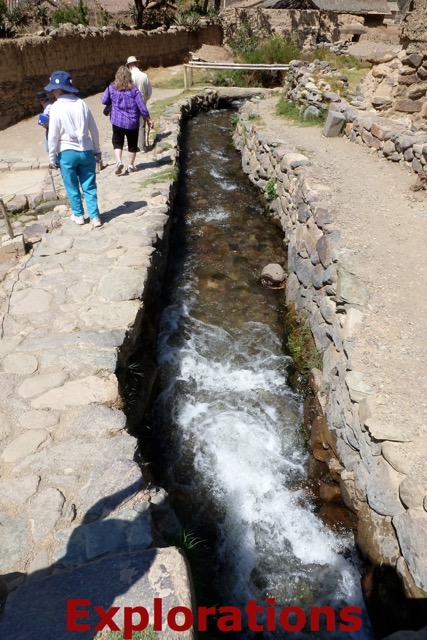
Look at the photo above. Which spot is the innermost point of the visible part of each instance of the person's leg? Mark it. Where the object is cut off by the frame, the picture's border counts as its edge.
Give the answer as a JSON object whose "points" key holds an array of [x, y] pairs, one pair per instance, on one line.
{"points": [[132, 138], [118, 142], [68, 162], [87, 176], [141, 134]]}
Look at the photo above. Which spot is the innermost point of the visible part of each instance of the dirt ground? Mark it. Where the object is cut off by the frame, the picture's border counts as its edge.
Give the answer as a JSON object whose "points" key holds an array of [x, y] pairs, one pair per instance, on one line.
{"points": [[384, 224]]}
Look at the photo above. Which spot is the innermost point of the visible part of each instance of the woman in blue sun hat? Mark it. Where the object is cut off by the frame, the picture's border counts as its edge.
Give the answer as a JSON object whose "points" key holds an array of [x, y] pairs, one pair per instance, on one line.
{"points": [[73, 145]]}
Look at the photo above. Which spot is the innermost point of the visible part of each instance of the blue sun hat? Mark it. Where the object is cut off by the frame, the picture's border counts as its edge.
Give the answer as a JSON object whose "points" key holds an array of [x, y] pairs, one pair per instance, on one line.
{"points": [[61, 80]]}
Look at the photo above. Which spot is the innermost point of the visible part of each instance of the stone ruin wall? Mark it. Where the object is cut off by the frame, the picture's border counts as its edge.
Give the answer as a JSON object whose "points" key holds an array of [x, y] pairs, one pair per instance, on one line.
{"points": [[91, 55], [414, 26], [307, 25], [324, 287]]}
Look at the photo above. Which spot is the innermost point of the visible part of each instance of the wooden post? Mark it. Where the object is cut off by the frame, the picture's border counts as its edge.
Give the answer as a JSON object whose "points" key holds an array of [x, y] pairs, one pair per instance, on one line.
{"points": [[191, 76], [185, 78], [6, 219]]}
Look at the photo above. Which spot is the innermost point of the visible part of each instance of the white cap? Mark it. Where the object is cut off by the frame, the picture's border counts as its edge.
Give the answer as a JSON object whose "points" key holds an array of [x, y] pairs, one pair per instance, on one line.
{"points": [[131, 59]]}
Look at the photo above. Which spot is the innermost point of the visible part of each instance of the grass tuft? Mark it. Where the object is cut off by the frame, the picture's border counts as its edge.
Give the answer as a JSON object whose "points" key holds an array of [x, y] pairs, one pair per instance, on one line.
{"points": [[289, 110]]}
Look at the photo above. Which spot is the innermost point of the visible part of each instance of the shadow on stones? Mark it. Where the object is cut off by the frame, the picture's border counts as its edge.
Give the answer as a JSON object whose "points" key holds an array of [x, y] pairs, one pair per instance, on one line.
{"points": [[107, 561], [123, 209], [155, 164], [390, 610]]}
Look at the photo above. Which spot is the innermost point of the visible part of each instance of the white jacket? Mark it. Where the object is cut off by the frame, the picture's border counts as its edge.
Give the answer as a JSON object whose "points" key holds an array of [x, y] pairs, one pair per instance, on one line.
{"points": [[141, 81], [71, 126]]}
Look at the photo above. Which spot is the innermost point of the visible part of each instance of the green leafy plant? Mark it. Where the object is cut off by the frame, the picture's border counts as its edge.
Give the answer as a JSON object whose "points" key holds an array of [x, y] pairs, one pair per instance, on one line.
{"points": [[198, 556], [3, 15], [273, 50], [74, 14], [244, 39], [18, 15], [130, 383], [42, 14], [164, 175], [234, 119], [299, 342], [187, 19], [270, 190], [147, 634]]}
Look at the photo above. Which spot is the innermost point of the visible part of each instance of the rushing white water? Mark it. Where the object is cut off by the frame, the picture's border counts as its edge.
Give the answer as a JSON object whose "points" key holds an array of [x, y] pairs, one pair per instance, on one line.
{"points": [[233, 430], [236, 423]]}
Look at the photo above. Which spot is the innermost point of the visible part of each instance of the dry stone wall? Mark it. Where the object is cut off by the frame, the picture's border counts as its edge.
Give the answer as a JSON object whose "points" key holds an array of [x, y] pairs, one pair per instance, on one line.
{"points": [[91, 55], [308, 26], [323, 286], [400, 140], [414, 27], [398, 86]]}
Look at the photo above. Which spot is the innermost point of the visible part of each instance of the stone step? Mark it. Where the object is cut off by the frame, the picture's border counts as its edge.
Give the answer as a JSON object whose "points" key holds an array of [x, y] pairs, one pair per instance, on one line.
{"points": [[38, 610]]}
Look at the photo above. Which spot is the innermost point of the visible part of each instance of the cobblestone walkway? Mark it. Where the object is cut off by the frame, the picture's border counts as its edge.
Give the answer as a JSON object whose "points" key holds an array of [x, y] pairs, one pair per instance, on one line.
{"points": [[67, 463]]}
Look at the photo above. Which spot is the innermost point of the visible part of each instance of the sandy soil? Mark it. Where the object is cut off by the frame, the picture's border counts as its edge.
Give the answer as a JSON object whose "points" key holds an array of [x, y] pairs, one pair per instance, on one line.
{"points": [[384, 225]]}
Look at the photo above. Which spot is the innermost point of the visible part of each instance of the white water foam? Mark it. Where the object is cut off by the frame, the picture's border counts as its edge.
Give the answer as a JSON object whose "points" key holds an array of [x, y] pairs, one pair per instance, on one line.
{"points": [[227, 397]]}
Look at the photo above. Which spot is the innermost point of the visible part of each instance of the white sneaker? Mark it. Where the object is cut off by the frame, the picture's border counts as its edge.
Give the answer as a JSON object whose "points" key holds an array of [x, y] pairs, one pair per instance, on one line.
{"points": [[96, 222], [119, 168], [132, 168], [77, 219], [86, 216]]}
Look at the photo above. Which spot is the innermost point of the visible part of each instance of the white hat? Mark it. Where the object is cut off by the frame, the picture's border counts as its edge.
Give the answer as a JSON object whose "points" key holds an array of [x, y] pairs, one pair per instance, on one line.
{"points": [[131, 59]]}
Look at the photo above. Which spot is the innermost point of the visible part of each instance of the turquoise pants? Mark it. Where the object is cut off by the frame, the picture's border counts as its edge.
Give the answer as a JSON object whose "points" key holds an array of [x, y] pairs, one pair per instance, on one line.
{"points": [[78, 169]]}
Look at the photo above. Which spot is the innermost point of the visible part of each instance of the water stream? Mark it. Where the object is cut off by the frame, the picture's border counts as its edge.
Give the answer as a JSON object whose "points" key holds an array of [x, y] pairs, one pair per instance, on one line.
{"points": [[228, 422]]}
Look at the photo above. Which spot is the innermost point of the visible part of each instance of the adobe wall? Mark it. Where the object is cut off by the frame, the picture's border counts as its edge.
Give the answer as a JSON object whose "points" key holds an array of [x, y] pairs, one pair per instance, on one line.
{"points": [[92, 55]]}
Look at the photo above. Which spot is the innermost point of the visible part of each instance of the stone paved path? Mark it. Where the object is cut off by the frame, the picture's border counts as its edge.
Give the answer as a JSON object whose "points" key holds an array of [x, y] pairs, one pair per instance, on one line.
{"points": [[65, 309]]}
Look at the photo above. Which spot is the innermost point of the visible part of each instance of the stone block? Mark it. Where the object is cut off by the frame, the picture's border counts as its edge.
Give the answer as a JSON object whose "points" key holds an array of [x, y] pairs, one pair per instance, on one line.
{"points": [[334, 124], [127, 579], [408, 106], [14, 246]]}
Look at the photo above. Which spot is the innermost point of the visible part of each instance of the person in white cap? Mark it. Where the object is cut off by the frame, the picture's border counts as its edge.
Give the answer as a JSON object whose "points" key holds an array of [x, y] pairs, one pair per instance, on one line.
{"points": [[141, 81]]}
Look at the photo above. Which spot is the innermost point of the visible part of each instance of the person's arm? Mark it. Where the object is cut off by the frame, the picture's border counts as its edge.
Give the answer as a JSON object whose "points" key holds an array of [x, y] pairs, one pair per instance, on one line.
{"points": [[106, 98], [53, 138], [148, 89], [93, 130]]}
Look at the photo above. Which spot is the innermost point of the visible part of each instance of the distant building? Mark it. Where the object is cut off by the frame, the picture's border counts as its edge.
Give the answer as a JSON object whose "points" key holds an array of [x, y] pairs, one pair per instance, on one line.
{"points": [[373, 11]]}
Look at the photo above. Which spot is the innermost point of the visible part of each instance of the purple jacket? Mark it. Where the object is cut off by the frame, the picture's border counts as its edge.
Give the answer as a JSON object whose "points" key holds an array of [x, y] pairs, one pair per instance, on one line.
{"points": [[127, 107]]}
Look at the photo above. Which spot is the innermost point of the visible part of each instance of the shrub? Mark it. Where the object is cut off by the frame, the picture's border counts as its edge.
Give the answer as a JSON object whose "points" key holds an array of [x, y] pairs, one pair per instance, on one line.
{"points": [[243, 40], [273, 50], [3, 12], [270, 190], [74, 15], [299, 342]]}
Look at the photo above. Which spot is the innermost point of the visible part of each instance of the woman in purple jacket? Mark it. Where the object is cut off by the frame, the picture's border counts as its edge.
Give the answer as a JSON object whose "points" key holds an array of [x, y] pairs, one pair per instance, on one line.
{"points": [[126, 108]]}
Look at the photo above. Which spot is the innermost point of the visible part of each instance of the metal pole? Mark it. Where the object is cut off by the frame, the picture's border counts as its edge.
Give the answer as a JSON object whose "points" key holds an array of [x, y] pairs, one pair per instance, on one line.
{"points": [[6, 219]]}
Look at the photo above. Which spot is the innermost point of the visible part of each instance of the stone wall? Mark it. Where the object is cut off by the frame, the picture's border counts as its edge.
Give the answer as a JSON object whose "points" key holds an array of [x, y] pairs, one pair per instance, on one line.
{"points": [[307, 26], [414, 27], [307, 85], [323, 286], [398, 86], [91, 55]]}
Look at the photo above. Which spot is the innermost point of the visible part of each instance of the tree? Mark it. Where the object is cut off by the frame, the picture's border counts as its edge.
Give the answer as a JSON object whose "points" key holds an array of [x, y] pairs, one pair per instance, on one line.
{"points": [[142, 5]]}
